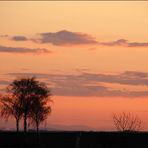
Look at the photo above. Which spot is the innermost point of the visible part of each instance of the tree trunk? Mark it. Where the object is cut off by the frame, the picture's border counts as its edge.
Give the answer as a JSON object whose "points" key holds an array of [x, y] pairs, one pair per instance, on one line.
{"points": [[17, 125], [25, 122], [37, 127], [37, 130]]}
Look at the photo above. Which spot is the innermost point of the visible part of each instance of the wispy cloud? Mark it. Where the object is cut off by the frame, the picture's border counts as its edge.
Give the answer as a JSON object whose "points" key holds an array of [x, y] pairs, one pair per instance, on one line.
{"points": [[5, 49], [90, 84], [19, 38], [69, 38], [4, 36], [124, 42], [4, 82], [128, 78], [64, 37]]}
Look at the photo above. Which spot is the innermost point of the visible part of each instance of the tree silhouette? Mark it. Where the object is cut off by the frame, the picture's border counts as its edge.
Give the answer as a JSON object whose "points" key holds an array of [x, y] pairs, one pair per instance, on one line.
{"points": [[39, 113], [28, 90], [127, 122], [11, 107]]}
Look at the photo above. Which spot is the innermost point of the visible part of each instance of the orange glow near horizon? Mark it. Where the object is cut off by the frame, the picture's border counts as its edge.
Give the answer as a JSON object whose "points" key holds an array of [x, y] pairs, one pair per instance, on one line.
{"points": [[95, 113]]}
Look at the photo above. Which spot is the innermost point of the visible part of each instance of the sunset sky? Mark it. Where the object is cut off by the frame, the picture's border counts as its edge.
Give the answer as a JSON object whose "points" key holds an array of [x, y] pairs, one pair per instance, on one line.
{"points": [[93, 56]]}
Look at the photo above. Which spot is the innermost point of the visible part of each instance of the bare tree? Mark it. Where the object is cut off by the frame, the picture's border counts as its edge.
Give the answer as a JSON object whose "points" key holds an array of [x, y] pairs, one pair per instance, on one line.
{"points": [[10, 107], [127, 122]]}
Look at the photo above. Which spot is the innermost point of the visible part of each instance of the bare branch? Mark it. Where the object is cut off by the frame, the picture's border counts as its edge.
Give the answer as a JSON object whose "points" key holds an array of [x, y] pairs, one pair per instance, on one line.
{"points": [[127, 122]]}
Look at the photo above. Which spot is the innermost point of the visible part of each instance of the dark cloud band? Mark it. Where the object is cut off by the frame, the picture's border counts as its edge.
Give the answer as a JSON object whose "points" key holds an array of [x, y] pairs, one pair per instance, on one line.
{"points": [[125, 43], [19, 38], [69, 38], [65, 37], [5, 49], [89, 84]]}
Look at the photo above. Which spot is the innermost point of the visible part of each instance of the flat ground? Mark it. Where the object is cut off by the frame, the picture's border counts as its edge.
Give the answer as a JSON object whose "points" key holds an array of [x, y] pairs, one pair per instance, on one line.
{"points": [[73, 140]]}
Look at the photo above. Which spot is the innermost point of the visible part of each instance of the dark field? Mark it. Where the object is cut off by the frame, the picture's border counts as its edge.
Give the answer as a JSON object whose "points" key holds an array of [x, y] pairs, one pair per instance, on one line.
{"points": [[72, 140]]}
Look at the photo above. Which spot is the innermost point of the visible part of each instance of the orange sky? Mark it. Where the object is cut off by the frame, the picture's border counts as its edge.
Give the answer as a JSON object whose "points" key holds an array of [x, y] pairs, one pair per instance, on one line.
{"points": [[93, 55]]}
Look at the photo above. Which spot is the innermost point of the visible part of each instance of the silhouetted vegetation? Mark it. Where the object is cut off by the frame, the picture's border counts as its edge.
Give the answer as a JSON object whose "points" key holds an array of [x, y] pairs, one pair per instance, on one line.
{"points": [[39, 111], [11, 107], [127, 122], [26, 98]]}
